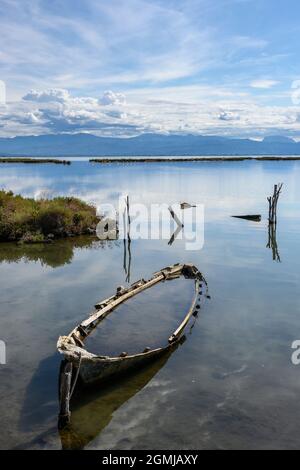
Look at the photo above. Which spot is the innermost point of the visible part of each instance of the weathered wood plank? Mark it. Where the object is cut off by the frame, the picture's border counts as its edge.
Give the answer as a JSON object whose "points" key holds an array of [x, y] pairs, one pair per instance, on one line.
{"points": [[104, 311], [185, 321]]}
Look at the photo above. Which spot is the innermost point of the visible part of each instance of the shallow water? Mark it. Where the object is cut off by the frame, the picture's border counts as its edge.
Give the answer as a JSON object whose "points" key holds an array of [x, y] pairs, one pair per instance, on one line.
{"points": [[231, 384], [147, 320]]}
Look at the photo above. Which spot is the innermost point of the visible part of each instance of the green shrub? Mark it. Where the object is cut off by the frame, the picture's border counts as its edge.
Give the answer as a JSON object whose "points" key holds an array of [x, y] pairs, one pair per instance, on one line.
{"points": [[62, 216], [32, 237], [54, 220]]}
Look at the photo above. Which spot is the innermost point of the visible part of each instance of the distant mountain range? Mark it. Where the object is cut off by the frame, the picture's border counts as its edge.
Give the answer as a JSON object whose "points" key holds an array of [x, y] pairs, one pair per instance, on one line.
{"points": [[144, 145]]}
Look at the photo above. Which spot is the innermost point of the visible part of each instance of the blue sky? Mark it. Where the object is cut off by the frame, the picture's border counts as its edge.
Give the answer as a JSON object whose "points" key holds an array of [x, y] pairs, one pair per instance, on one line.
{"points": [[224, 67]]}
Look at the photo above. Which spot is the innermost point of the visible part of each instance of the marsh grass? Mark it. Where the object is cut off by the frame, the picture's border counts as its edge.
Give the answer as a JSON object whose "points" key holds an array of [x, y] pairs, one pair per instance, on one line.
{"points": [[33, 221]]}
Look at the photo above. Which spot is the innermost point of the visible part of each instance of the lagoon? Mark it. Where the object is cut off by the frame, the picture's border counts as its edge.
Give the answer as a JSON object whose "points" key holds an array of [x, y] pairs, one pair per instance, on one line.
{"points": [[231, 384]]}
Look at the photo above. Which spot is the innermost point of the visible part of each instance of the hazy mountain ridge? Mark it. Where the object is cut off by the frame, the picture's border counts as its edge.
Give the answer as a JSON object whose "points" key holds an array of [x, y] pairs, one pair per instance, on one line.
{"points": [[144, 145]]}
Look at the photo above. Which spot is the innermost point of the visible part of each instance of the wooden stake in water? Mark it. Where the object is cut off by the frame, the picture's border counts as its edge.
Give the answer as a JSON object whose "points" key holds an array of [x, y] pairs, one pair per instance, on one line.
{"points": [[273, 201], [272, 242]]}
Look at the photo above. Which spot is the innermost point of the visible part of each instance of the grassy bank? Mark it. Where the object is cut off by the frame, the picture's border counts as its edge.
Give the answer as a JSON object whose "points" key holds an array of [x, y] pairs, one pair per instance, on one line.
{"points": [[33, 160], [31, 221]]}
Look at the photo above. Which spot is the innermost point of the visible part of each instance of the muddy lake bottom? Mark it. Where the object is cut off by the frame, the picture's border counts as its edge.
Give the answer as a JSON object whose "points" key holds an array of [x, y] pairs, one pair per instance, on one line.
{"points": [[231, 384]]}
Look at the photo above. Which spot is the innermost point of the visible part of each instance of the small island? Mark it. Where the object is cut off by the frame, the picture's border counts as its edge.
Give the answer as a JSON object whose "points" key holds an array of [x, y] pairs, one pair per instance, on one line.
{"points": [[34, 160], [189, 159], [26, 220]]}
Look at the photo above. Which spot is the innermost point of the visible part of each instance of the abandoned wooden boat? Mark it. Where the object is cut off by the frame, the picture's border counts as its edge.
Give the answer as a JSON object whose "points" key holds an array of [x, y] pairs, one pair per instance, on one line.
{"points": [[95, 367], [91, 368]]}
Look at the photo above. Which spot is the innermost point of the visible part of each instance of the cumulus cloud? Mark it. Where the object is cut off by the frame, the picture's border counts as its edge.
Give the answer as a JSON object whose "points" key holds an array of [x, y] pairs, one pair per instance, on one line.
{"points": [[228, 116], [28, 118], [192, 110], [156, 52], [58, 111], [58, 95], [111, 98]]}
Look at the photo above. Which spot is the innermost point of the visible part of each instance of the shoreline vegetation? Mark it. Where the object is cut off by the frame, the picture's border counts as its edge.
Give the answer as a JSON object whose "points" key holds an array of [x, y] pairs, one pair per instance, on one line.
{"points": [[25, 220], [190, 159], [162, 159], [34, 160]]}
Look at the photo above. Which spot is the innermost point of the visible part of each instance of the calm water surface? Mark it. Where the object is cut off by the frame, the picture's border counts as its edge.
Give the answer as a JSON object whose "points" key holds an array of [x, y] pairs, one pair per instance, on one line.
{"points": [[231, 384]]}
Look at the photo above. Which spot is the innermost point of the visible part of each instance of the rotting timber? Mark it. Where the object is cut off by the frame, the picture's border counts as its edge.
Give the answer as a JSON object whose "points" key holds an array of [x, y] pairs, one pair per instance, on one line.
{"points": [[91, 368]]}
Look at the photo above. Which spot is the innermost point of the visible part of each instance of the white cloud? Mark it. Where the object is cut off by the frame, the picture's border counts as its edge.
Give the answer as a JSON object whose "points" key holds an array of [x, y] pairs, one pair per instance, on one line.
{"points": [[189, 109], [228, 116], [100, 43], [109, 98], [51, 95], [263, 84]]}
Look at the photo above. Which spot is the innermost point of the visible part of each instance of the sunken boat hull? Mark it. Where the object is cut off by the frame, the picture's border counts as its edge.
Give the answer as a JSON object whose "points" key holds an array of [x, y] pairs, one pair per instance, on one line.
{"points": [[81, 365], [96, 369], [93, 410]]}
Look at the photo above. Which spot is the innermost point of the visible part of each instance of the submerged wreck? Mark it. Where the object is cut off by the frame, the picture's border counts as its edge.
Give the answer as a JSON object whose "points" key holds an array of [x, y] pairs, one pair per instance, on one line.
{"points": [[87, 368], [93, 410]]}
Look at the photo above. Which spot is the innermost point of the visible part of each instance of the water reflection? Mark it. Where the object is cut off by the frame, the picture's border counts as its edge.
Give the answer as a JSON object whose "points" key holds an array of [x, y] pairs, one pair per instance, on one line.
{"points": [[38, 401], [127, 259], [93, 410], [127, 240], [272, 242], [55, 254], [175, 235], [238, 339]]}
